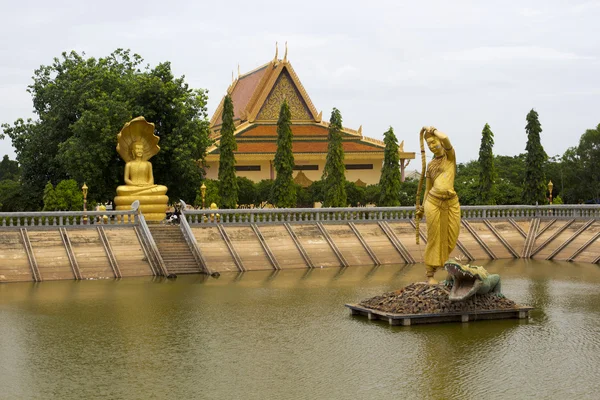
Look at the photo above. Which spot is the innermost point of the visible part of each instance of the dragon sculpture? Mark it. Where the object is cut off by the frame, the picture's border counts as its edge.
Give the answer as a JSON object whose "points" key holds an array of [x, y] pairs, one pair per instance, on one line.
{"points": [[466, 281]]}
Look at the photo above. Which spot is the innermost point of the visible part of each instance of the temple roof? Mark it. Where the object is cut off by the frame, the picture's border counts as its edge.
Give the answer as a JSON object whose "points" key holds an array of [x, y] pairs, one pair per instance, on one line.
{"points": [[257, 97]]}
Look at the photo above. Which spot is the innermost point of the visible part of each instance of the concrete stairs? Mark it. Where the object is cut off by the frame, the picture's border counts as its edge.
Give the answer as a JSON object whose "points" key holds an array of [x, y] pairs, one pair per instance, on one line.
{"points": [[174, 249]]}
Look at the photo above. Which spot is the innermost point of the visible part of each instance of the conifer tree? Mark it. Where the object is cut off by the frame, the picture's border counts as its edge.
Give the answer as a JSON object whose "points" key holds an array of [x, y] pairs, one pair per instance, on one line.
{"points": [[283, 192], [487, 172], [334, 174], [389, 182], [535, 178], [228, 187]]}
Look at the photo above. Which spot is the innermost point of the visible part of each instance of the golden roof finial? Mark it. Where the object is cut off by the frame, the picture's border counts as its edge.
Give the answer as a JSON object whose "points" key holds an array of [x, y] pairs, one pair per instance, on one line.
{"points": [[285, 55], [276, 53], [232, 78], [360, 130], [238, 70]]}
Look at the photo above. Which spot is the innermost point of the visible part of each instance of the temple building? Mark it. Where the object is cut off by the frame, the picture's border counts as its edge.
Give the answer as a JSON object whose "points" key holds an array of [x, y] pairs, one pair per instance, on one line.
{"points": [[257, 97]]}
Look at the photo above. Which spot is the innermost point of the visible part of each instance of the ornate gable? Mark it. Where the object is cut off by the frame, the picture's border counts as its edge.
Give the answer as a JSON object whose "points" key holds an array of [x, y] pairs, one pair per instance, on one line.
{"points": [[284, 89]]}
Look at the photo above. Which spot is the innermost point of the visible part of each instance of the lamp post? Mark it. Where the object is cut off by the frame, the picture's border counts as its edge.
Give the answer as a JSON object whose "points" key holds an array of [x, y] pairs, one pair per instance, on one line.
{"points": [[203, 192], [550, 186], [84, 189]]}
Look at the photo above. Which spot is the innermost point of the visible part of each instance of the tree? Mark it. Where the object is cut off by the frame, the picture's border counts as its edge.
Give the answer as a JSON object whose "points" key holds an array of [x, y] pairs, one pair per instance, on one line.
{"points": [[355, 194], [487, 173], [535, 178], [389, 182], [212, 194], [579, 168], [284, 189], [82, 103], [11, 196], [9, 169], [246, 191], [67, 196], [228, 187], [334, 173]]}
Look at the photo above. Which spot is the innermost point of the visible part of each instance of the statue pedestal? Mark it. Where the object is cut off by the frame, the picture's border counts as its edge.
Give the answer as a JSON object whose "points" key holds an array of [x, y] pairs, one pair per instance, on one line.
{"points": [[153, 207]]}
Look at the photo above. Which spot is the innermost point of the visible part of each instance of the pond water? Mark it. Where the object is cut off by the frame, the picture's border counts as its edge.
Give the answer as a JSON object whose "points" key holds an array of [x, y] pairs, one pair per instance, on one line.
{"points": [[287, 335]]}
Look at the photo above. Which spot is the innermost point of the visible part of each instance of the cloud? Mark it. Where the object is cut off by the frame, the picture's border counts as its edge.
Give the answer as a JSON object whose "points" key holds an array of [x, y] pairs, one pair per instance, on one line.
{"points": [[511, 54]]}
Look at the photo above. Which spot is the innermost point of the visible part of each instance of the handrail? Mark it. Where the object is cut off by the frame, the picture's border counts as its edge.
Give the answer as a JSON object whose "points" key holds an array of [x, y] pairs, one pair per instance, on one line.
{"points": [[152, 245], [67, 218], [360, 214], [191, 240]]}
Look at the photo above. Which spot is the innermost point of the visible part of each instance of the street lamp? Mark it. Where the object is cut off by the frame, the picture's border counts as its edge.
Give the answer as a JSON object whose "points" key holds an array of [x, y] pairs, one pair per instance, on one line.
{"points": [[550, 186], [84, 189], [203, 192]]}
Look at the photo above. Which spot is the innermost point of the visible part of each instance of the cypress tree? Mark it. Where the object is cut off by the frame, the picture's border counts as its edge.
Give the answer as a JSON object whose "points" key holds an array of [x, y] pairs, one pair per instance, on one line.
{"points": [[334, 174], [535, 178], [389, 182], [283, 192], [228, 187], [487, 172]]}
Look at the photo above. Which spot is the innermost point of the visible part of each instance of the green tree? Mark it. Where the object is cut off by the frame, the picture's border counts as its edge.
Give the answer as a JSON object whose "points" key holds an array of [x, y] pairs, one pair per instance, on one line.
{"points": [[9, 169], [334, 173], [284, 189], [487, 173], [389, 182], [408, 188], [535, 178], [263, 191], [67, 196], [466, 182], [11, 196], [212, 194], [82, 103], [228, 187], [579, 168], [355, 194], [246, 191]]}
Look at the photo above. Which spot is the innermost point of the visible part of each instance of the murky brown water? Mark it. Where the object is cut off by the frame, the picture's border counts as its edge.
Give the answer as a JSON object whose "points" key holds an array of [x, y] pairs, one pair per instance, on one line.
{"points": [[288, 336]]}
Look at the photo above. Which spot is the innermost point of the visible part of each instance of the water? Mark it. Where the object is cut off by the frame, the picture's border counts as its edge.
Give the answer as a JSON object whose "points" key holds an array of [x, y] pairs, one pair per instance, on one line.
{"points": [[263, 335]]}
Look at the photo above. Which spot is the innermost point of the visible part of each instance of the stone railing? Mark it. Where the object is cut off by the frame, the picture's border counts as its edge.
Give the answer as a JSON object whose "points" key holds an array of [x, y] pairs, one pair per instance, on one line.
{"points": [[333, 215], [68, 218]]}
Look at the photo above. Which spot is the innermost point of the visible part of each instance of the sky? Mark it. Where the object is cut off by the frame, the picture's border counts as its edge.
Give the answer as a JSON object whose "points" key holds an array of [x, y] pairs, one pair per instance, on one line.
{"points": [[455, 65]]}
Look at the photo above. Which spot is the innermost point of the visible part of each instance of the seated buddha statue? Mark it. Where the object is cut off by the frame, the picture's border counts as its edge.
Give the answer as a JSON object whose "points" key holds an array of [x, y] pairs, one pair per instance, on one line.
{"points": [[136, 143]]}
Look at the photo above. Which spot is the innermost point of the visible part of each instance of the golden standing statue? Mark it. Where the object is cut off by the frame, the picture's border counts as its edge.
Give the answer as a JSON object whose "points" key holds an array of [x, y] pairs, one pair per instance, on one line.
{"points": [[136, 144], [440, 202]]}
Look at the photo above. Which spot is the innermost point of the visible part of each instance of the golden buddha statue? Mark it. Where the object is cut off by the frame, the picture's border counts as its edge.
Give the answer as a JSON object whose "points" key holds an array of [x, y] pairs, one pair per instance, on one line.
{"points": [[440, 202], [136, 144]]}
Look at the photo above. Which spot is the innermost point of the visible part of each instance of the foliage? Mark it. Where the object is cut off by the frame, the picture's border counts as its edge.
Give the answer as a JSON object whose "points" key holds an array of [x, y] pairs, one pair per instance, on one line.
{"points": [[535, 178], [408, 190], [466, 182], [579, 176], [212, 194], [372, 194], [355, 194], [67, 196], [316, 192], [334, 173], [82, 103], [246, 191], [263, 191], [487, 173], [284, 189], [228, 189], [303, 197], [389, 181], [9, 169], [11, 196]]}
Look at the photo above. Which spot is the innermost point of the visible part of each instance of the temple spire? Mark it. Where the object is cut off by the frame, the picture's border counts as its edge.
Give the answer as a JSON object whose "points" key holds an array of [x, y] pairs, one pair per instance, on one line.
{"points": [[276, 53], [285, 55]]}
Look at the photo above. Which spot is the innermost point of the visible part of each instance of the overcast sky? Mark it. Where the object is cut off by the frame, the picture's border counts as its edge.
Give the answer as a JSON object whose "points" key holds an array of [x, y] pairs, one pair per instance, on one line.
{"points": [[452, 64]]}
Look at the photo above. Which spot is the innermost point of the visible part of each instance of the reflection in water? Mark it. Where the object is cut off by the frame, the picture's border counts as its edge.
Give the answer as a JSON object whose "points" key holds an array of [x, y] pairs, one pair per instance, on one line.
{"points": [[285, 334]]}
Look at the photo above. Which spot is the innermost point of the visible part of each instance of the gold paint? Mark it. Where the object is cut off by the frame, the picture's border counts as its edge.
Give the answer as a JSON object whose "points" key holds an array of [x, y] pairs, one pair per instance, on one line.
{"points": [[440, 203], [283, 90], [302, 180], [136, 144]]}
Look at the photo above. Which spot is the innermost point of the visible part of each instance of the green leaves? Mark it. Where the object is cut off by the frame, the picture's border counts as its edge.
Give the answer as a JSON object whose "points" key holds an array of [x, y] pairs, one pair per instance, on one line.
{"points": [[334, 173], [284, 190], [487, 172], [228, 186], [82, 103], [535, 178], [389, 181]]}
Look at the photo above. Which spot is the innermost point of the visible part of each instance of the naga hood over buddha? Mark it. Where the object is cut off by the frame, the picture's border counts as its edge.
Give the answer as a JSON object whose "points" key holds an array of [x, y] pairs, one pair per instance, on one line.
{"points": [[136, 144]]}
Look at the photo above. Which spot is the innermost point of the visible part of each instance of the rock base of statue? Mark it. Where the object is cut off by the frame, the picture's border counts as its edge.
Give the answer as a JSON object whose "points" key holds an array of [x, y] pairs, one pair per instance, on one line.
{"points": [[153, 207]]}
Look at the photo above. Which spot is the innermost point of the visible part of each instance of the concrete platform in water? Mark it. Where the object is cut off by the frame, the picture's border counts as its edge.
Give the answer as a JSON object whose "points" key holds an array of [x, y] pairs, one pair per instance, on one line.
{"points": [[413, 319]]}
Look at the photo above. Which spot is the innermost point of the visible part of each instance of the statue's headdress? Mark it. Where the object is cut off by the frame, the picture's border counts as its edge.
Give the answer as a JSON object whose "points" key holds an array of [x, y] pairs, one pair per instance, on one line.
{"points": [[137, 131]]}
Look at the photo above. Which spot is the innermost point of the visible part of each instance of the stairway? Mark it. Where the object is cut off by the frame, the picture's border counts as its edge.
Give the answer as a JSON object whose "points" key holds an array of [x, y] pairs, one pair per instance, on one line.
{"points": [[174, 249]]}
